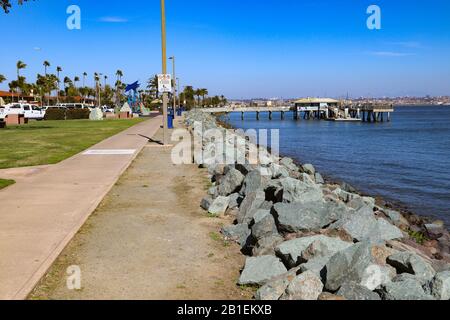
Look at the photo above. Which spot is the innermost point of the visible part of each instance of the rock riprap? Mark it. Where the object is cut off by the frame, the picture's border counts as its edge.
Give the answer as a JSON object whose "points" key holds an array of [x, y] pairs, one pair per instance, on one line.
{"points": [[309, 240]]}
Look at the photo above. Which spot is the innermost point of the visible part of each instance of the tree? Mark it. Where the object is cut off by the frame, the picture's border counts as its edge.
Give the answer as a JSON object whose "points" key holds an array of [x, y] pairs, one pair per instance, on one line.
{"points": [[152, 86], [198, 94], [119, 75], [20, 65], [2, 78], [46, 65], [106, 78], [6, 4], [84, 78], [203, 93]]}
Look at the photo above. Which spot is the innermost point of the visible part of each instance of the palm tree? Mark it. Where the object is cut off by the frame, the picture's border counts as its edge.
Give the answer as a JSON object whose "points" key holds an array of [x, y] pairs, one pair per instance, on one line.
{"points": [[67, 83], [58, 70], [46, 65], [152, 86], [84, 78], [20, 65], [75, 80], [204, 92], [106, 78], [198, 93], [119, 75], [2, 78]]}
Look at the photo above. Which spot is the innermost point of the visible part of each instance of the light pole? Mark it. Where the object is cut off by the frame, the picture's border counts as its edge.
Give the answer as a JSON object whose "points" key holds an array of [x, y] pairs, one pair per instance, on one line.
{"points": [[164, 69], [179, 92], [174, 83]]}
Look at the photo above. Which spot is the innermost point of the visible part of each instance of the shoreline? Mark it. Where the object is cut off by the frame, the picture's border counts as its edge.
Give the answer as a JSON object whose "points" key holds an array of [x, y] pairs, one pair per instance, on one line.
{"points": [[394, 204], [301, 234]]}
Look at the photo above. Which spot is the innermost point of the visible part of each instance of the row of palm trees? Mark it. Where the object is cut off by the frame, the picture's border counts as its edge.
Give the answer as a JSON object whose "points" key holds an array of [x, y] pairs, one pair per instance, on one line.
{"points": [[47, 83], [189, 96]]}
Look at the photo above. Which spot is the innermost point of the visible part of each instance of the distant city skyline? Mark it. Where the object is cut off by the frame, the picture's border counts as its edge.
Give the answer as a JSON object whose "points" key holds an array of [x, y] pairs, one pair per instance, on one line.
{"points": [[242, 49]]}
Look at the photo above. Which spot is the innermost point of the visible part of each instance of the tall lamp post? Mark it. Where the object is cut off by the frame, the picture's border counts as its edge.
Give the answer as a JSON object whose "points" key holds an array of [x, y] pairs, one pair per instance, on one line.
{"points": [[164, 69], [174, 83]]}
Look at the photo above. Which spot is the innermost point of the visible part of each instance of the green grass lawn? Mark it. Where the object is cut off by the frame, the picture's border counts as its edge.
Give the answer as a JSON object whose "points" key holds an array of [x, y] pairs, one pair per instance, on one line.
{"points": [[5, 183], [49, 142]]}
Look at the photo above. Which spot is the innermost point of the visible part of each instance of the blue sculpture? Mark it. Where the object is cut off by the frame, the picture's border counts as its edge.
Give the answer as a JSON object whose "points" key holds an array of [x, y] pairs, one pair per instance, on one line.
{"points": [[134, 99]]}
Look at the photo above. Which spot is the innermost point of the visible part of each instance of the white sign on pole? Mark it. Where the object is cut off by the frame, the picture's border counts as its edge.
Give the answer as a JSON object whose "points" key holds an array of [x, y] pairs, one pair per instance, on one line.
{"points": [[164, 83]]}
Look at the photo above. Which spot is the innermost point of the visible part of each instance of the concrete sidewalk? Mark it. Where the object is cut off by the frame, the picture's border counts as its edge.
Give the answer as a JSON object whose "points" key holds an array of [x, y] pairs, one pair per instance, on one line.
{"points": [[41, 213]]}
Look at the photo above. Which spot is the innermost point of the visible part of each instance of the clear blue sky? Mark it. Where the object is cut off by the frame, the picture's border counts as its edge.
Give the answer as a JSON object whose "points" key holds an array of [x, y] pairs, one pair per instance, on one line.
{"points": [[246, 48]]}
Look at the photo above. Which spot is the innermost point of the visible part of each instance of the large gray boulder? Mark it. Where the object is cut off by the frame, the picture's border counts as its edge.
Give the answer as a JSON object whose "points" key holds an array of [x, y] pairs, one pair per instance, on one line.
{"points": [[308, 216], [259, 270], [440, 286], [238, 233], [235, 200], [349, 265], [275, 288], [294, 190], [265, 227], [219, 206], [355, 291], [253, 182], [315, 265], [250, 205], [363, 226], [309, 169], [406, 289], [292, 251], [319, 179], [231, 182], [306, 286], [289, 164], [206, 202], [278, 171], [408, 262], [266, 246]]}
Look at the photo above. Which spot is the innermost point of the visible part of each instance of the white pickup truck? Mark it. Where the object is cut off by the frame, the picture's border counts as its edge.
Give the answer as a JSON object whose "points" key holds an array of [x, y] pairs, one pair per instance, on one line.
{"points": [[29, 111]]}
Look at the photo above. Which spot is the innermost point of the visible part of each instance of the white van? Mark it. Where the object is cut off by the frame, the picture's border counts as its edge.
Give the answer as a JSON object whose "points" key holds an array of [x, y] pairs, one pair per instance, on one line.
{"points": [[29, 111]]}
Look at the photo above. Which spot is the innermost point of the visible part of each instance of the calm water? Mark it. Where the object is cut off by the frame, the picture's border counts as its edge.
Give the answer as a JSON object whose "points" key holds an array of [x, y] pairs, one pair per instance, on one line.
{"points": [[406, 160]]}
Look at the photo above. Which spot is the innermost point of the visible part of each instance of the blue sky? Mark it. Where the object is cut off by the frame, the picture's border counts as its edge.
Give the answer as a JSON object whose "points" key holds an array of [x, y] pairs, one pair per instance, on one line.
{"points": [[243, 49]]}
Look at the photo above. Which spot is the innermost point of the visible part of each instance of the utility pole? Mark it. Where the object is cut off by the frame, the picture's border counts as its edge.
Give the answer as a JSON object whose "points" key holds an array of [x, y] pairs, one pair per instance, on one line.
{"points": [[164, 70], [174, 83]]}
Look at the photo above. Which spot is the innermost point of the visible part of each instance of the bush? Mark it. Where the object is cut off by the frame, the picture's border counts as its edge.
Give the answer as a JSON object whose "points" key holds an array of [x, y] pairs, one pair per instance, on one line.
{"points": [[66, 114], [55, 114], [75, 114]]}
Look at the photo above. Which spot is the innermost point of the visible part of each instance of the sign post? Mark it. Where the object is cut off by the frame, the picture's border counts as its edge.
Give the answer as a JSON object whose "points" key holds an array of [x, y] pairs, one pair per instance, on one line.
{"points": [[164, 71]]}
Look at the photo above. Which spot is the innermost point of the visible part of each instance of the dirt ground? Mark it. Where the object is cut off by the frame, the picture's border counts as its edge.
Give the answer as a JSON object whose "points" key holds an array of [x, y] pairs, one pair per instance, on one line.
{"points": [[149, 239]]}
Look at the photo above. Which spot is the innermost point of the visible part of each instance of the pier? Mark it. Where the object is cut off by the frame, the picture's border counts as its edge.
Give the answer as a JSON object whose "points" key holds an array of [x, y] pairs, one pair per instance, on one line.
{"points": [[317, 109]]}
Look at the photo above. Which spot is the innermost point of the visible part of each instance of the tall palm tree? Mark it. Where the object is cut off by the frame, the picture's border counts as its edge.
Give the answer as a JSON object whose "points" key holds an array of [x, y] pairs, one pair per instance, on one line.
{"points": [[75, 80], [58, 70], [46, 65], [2, 78], [198, 94], [119, 75], [20, 65], [97, 87], [106, 78], [204, 92], [84, 78]]}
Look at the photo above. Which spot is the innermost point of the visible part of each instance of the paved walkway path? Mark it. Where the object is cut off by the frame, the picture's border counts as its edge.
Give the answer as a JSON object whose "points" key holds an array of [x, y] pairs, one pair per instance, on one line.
{"points": [[42, 212]]}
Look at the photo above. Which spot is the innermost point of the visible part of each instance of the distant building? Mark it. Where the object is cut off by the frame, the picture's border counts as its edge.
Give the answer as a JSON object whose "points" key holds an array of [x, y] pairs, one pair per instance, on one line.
{"points": [[316, 102]]}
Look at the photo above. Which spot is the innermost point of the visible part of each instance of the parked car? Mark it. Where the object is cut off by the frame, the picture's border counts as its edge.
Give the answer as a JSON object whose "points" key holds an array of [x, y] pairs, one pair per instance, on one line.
{"points": [[74, 106], [28, 110], [108, 109]]}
